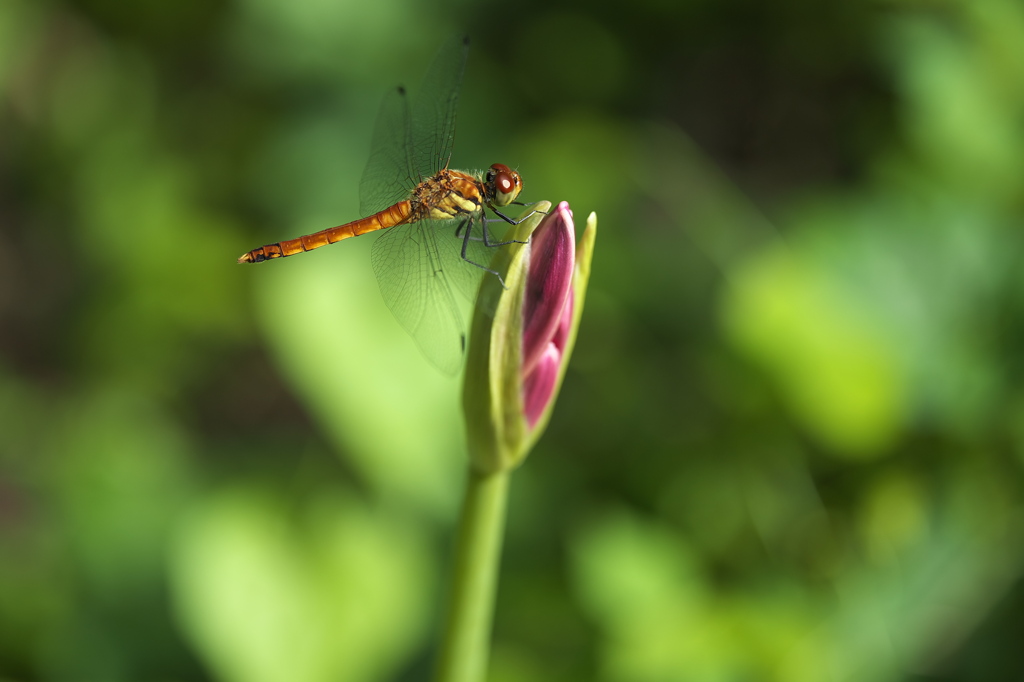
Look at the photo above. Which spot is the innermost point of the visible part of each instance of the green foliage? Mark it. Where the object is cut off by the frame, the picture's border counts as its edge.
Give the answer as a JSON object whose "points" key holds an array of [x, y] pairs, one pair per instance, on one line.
{"points": [[337, 593], [789, 444]]}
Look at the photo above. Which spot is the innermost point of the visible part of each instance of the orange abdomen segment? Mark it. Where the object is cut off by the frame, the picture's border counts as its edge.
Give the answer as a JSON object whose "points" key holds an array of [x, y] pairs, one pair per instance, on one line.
{"points": [[389, 217]]}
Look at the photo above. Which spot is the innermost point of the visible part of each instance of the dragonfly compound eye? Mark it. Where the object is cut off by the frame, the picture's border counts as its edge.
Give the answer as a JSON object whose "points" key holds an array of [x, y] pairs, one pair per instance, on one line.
{"points": [[506, 183]]}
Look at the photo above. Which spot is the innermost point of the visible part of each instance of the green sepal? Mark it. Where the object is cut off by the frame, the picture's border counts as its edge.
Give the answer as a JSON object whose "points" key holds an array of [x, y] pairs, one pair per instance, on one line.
{"points": [[492, 396]]}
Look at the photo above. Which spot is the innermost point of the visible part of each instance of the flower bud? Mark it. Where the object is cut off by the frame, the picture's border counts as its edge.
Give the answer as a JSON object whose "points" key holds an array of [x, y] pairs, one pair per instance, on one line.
{"points": [[522, 336]]}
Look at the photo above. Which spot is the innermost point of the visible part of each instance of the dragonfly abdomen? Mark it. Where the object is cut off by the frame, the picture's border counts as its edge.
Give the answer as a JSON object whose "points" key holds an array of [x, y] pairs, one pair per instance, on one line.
{"points": [[389, 217]]}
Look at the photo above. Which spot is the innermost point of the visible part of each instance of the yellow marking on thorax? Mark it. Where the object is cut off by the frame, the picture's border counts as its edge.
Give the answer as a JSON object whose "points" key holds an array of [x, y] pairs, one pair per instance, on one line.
{"points": [[447, 195]]}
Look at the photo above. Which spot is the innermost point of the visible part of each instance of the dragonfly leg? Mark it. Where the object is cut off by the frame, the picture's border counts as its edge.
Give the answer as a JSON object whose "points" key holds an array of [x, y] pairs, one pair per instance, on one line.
{"points": [[487, 242], [465, 244], [531, 203], [513, 221], [478, 239], [467, 225]]}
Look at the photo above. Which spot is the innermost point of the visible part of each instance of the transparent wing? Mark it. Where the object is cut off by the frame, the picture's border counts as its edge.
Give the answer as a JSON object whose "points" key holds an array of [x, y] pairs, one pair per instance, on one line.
{"points": [[465, 274], [420, 264], [415, 287], [409, 146], [389, 176], [435, 107]]}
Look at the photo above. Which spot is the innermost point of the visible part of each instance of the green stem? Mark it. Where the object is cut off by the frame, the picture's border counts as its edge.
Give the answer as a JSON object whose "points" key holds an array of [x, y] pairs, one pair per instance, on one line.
{"points": [[467, 628]]}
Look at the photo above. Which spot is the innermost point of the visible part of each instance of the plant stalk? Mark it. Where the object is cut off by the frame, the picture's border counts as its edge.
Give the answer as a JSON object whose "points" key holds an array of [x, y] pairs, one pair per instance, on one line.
{"points": [[465, 642]]}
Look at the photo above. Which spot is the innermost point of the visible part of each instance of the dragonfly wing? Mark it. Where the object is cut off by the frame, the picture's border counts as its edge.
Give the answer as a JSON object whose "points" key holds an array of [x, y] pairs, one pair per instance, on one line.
{"points": [[415, 286], [389, 175], [436, 103], [418, 264], [408, 146]]}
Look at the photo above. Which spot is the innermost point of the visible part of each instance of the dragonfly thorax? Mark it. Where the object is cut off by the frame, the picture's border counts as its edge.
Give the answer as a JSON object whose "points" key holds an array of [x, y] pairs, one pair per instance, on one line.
{"points": [[448, 194]]}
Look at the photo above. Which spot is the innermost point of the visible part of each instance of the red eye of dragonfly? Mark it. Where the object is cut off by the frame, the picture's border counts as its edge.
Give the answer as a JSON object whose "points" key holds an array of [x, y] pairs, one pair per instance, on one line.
{"points": [[506, 183]]}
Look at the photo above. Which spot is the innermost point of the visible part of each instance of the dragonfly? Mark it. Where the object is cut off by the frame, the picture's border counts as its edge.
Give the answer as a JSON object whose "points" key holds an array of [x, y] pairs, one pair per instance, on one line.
{"points": [[434, 237]]}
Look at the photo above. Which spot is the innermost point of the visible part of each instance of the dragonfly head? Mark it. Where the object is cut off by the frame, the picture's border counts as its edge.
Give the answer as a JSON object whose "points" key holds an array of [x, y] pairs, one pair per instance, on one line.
{"points": [[503, 184]]}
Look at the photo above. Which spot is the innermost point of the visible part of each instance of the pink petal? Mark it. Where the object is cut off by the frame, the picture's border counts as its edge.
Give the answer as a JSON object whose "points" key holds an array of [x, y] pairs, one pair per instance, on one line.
{"points": [[565, 322], [552, 259], [540, 383]]}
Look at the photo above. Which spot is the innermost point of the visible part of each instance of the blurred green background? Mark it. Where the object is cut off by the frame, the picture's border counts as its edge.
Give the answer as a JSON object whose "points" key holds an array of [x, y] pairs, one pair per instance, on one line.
{"points": [[790, 443]]}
